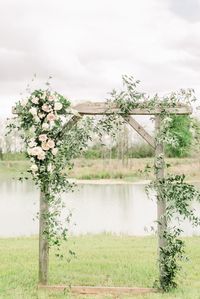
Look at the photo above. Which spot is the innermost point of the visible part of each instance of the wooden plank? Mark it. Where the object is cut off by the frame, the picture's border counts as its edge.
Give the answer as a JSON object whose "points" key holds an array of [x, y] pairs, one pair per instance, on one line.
{"points": [[43, 242], [140, 130], [94, 290], [161, 204], [100, 108]]}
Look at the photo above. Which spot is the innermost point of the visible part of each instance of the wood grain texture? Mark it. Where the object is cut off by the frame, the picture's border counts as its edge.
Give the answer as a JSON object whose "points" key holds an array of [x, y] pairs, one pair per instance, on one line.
{"points": [[140, 130], [100, 108], [43, 242]]}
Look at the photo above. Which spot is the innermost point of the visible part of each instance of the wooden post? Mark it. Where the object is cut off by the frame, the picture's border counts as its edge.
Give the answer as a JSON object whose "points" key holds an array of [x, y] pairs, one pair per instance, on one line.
{"points": [[43, 241], [161, 203]]}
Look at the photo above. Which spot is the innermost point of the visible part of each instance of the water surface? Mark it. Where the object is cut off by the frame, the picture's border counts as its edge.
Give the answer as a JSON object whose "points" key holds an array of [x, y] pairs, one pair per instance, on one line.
{"points": [[119, 209]]}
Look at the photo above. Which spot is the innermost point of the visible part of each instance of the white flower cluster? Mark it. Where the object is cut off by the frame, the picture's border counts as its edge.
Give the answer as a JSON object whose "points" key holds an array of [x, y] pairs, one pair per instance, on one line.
{"points": [[40, 150], [44, 109], [49, 108]]}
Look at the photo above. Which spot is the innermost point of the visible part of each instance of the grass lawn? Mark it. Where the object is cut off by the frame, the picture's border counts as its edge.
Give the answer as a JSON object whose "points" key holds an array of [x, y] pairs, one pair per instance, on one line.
{"points": [[100, 260]]}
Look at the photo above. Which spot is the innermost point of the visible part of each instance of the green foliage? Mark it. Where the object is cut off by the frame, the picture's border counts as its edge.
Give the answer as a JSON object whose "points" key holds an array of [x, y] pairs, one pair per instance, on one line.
{"points": [[195, 125], [14, 156], [173, 250], [173, 190], [180, 128], [106, 260], [179, 197], [94, 152], [140, 150], [50, 148]]}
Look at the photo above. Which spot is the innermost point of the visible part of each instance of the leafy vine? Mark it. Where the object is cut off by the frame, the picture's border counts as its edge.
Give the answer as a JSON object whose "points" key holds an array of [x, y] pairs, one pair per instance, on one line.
{"points": [[172, 189], [42, 120]]}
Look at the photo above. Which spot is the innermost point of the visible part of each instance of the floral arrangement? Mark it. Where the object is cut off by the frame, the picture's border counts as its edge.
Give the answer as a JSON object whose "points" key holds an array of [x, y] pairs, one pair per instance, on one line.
{"points": [[41, 115], [41, 119]]}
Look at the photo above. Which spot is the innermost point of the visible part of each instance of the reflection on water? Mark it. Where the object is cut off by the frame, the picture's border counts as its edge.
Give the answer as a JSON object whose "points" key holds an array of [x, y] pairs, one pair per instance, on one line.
{"points": [[95, 209]]}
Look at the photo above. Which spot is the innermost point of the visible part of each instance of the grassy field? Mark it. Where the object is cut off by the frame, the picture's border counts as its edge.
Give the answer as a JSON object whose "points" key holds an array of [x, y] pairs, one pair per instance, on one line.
{"points": [[112, 169], [100, 260]]}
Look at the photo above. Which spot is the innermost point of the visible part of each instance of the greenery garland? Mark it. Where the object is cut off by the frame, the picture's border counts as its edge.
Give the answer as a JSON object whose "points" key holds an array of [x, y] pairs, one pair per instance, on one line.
{"points": [[179, 197], [173, 190], [41, 119]]}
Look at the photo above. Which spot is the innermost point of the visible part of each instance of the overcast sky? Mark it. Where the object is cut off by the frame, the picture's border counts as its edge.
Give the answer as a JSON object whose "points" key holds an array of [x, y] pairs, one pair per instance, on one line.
{"points": [[87, 45]]}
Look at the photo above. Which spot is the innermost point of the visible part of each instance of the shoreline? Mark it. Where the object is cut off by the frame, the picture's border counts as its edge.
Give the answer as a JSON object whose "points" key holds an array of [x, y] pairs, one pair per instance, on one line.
{"points": [[136, 181], [109, 182], [89, 171]]}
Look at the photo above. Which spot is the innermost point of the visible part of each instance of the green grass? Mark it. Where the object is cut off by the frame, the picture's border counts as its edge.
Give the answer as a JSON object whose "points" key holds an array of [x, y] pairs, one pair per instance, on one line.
{"points": [[86, 169], [100, 260], [13, 169], [14, 156]]}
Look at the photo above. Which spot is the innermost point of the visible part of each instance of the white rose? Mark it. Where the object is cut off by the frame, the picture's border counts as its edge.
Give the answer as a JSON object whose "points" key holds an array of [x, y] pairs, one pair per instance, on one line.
{"points": [[42, 137], [36, 151], [32, 143], [51, 98], [51, 143], [58, 106], [45, 108], [54, 151], [45, 126], [34, 168], [35, 100], [41, 156], [51, 117], [41, 115], [45, 146], [33, 111], [24, 102]]}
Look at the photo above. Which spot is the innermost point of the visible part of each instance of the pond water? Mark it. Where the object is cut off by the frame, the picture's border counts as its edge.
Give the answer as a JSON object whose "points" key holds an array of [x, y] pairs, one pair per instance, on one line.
{"points": [[118, 209]]}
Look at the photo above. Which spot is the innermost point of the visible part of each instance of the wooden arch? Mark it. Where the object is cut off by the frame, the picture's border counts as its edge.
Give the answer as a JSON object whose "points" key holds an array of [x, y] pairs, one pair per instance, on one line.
{"points": [[101, 108]]}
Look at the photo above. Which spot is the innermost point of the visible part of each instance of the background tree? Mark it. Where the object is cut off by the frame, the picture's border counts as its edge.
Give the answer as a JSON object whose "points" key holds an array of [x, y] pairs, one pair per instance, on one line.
{"points": [[180, 128]]}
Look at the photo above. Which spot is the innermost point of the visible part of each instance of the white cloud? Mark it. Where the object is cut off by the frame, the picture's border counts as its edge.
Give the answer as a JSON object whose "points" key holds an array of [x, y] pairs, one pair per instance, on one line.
{"points": [[87, 45]]}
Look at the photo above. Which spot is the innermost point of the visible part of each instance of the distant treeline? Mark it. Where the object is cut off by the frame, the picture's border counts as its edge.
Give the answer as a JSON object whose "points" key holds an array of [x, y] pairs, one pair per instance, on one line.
{"points": [[185, 128], [140, 150]]}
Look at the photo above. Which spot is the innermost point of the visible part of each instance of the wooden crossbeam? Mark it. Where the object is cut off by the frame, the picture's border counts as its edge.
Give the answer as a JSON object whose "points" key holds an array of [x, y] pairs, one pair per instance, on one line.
{"points": [[100, 108], [140, 130], [93, 290]]}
